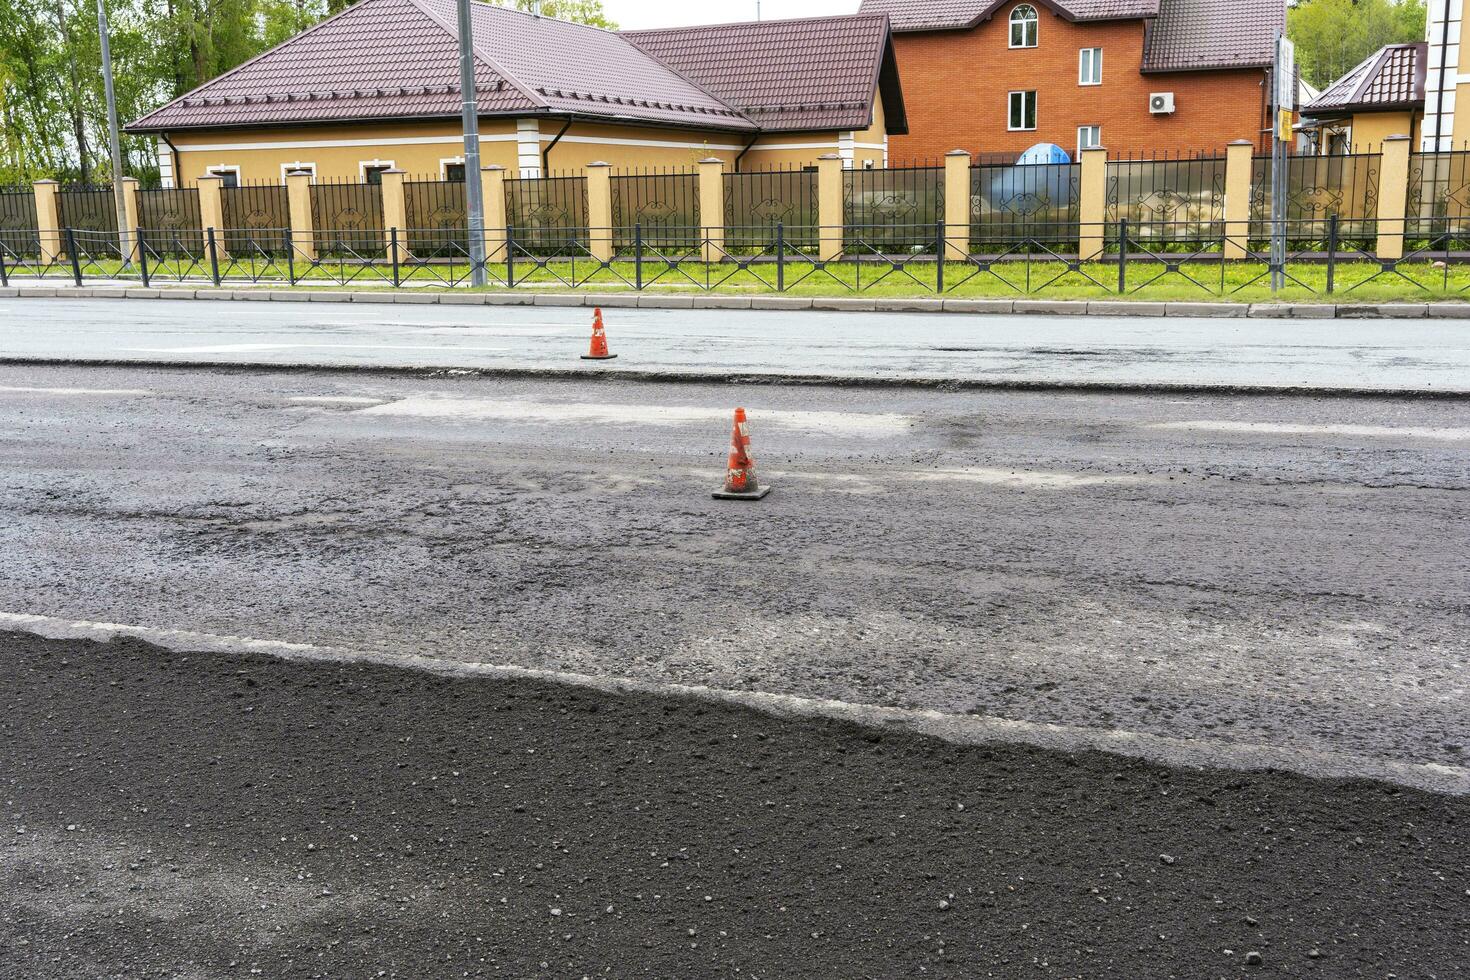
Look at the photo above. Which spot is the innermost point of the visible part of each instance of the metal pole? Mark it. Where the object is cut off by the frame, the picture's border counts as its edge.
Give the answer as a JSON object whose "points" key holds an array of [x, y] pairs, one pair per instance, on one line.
{"points": [[113, 145], [473, 191]]}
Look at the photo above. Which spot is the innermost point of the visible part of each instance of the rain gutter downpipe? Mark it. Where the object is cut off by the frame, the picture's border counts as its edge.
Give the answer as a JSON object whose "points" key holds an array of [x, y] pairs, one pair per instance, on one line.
{"points": [[741, 155], [546, 152]]}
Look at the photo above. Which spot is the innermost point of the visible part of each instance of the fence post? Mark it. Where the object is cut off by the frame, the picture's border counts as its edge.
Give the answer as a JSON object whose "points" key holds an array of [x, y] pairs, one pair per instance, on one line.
{"points": [[129, 251], [142, 257], [1239, 157], [211, 206], [212, 243], [712, 207], [830, 212], [1332, 232], [48, 220], [71, 251], [1093, 207], [298, 202], [4, 276], [395, 211], [492, 188], [393, 255], [1122, 256], [780, 257], [956, 205], [940, 252], [1393, 197], [638, 255], [510, 256], [599, 210]]}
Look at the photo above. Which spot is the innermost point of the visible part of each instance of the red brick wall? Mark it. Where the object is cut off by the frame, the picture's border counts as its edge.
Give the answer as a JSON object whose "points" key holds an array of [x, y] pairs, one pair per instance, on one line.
{"points": [[956, 84]]}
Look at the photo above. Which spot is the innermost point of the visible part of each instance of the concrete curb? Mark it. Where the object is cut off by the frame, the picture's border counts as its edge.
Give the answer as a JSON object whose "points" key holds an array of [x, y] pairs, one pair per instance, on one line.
{"points": [[726, 301]]}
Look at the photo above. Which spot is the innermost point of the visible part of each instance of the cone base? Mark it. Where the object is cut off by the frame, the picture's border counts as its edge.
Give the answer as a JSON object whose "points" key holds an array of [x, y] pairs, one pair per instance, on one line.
{"points": [[727, 495], [598, 357]]}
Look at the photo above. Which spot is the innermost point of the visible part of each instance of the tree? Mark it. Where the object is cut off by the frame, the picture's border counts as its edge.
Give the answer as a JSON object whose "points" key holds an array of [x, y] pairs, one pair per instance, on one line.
{"points": [[1332, 36], [579, 11]]}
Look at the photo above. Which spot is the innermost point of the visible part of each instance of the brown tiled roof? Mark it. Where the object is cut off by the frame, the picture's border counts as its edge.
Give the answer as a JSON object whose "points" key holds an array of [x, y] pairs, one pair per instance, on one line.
{"points": [[1391, 78], [399, 59], [1183, 35], [951, 15], [810, 73]]}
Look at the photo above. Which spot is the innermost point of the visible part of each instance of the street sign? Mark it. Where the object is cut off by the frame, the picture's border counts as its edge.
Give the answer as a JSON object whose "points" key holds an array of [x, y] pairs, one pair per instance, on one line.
{"points": [[1285, 73]]}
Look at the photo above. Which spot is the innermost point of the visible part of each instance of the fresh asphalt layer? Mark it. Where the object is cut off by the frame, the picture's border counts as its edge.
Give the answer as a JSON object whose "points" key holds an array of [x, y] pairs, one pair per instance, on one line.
{"points": [[1201, 579], [211, 816], [1368, 354]]}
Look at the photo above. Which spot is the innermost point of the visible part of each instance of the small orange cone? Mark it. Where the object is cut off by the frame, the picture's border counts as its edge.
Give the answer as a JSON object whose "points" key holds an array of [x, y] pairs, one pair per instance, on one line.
{"points": [[599, 340], [740, 481]]}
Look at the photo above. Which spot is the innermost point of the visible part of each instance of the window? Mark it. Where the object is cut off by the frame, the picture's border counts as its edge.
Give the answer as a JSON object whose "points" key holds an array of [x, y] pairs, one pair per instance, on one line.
{"points": [[1023, 111], [1024, 24], [454, 172], [229, 176], [1088, 137], [298, 167], [1089, 68], [372, 170]]}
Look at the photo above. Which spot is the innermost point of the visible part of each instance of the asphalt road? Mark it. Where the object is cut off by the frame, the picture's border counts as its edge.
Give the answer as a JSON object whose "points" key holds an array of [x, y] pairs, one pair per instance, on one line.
{"points": [[210, 816], [1395, 355], [1218, 580]]}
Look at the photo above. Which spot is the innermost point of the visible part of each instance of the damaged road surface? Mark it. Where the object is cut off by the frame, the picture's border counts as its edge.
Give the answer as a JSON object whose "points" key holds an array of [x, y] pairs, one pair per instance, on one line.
{"points": [[213, 816]]}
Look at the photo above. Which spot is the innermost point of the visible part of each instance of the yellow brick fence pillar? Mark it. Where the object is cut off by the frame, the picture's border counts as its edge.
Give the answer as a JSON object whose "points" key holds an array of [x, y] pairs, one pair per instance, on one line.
{"points": [[1239, 160], [395, 216], [1393, 197], [599, 210], [830, 212], [48, 219], [298, 202], [492, 194], [212, 211], [712, 207], [128, 233], [956, 205], [1093, 208]]}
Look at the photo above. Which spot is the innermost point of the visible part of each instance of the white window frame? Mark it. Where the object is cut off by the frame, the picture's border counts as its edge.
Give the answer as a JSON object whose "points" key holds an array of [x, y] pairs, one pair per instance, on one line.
{"points": [[1010, 104], [1089, 66], [286, 168], [1088, 146], [363, 165], [446, 162], [1033, 22], [220, 169]]}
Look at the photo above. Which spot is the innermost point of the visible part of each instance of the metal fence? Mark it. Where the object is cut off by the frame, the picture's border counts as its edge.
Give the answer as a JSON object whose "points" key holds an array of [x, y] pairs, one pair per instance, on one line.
{"points": [[545, 214], [1162, 197], [664, 204], [90, 208], [880, 207], [757, 202], [1343, 185], [1439, 192], [249, 210], [18, 219], [346, 218], [1041, 202], [169, 218], [437, 216]]}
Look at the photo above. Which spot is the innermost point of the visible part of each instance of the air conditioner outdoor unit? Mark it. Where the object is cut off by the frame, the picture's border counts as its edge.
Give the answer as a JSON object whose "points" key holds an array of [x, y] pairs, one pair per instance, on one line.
{"points": [[1161, 103]]}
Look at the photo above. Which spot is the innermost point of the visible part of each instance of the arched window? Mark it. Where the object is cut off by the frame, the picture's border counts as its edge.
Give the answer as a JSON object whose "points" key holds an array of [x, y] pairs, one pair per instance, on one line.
{"points": [[1024, 25]]}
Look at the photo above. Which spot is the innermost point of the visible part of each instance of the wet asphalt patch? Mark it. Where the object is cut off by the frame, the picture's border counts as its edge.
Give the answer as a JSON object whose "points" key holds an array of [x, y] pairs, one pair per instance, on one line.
{"points": [[205, 815]]}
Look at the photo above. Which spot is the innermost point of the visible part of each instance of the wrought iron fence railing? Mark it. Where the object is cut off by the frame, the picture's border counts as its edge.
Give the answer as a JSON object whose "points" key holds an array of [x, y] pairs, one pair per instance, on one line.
{"points": [[1219, 259]]}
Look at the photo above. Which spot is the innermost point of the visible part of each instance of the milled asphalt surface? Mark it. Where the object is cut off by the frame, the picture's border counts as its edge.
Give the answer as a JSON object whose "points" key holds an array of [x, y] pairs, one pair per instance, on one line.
{"points": [[212, 816], [1199, 579], [1394, 355]]}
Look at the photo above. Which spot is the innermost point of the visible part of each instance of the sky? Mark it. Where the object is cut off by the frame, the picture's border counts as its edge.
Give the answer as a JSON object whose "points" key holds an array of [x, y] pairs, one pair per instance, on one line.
{"points": [[637, 14]]}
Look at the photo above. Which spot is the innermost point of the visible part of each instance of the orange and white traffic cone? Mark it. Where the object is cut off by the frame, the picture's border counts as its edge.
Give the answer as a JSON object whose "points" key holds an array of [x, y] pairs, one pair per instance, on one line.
{"points": [[740, 481], [599, 340]]}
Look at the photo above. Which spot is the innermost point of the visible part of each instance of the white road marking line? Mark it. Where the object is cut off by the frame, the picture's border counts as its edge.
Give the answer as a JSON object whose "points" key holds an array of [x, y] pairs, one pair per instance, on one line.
{"points": [[260, 348], [1295, 429], [961, 729], [106, 392], [1037, 479], [442, 407], [336, 400]]}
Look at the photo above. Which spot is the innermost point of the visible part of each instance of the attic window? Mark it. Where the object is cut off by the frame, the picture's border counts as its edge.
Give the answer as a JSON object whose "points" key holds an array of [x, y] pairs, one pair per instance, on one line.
{"points": [[1025, 25]]}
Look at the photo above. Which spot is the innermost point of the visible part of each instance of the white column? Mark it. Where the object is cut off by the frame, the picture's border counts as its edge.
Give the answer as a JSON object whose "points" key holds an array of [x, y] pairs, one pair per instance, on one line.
{"points": [[847, 148], [528, 147], [165, 164], [1442, 31]]}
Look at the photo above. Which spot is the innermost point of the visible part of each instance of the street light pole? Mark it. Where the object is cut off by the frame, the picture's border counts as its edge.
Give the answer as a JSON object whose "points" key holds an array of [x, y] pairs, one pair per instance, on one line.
{"points": [[114, 146], [470, 111]]}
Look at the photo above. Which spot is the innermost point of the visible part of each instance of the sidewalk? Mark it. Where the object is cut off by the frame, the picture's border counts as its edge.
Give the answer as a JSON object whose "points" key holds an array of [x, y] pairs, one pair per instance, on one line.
{"points": [[1417, 356]]}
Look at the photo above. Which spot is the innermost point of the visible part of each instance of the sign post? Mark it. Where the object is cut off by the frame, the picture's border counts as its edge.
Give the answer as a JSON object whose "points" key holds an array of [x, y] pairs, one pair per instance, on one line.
{"points": [[1284, 106]]}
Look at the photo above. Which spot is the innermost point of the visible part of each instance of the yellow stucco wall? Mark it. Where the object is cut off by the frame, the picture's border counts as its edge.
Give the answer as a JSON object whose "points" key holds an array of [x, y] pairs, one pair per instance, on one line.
{"points": [[1462, 116], [1370, 129]]}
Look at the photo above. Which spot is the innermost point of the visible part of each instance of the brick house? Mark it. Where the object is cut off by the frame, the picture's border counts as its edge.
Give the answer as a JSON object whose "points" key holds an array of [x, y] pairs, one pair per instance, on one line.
{"points": [[1136, 76]]}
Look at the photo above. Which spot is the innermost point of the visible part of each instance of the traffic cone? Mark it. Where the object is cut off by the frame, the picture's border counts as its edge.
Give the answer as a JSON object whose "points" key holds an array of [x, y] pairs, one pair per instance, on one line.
{"points": [[740, 481], [599, 340]]}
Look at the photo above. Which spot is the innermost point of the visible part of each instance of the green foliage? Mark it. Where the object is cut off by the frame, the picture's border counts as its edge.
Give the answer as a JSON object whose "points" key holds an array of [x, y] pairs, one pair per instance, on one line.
{"points": [[53, 115], [1332, 36]]}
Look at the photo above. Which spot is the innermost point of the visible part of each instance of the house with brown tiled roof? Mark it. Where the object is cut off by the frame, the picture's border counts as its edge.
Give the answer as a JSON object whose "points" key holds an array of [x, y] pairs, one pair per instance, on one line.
{"points": [[1381, 97], [376, 87], [1136, 76]]}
